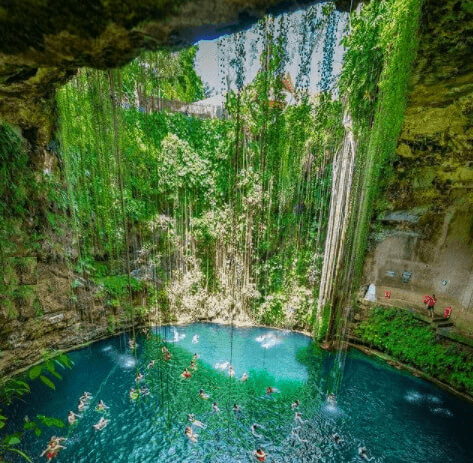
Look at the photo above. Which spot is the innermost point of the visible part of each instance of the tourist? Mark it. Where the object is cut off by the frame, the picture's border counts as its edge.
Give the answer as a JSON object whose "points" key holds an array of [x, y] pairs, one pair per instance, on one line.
{"points": [[272, 390], [362, 453], [132, 344], [244, 377], [298, 418], [195, 422], [166, 354], [295, 434], [331, 399], [82, 405], [254, 427], [133, 394], [430, 302], [72, 417], [53, 447], [101, 424], [236, 408], [101, 407], [295, 404], [85, 396], [151, 364], [139, 377], [215, 407], [191, 435], [186, 374], [203, 395], [144, 390], [337, 439], [231, 371], [260, 455]]}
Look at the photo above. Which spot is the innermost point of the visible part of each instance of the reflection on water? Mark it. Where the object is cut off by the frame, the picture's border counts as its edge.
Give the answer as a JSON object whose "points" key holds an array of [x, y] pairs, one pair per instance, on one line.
{"points": [[398, 418]]}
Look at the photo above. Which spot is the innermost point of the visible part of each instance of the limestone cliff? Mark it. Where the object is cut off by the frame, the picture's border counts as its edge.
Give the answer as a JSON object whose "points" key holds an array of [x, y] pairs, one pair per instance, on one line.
{"points": [[424, 231]]}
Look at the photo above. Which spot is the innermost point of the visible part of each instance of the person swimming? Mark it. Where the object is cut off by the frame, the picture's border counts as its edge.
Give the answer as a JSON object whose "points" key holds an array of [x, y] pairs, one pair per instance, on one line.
{"points": [[72, 417], [337, 439], [186, 374], [215, 407], [191, 418], [132, 344], [244, 377], [101, 407], [260, 455], [295, 404], [166, 354], [85, 396], [53, 447], [151, 364], [362, 453], [331, 399], [298, 418], [101, 424], [133, 394], [144, 390], [139, 377], [191, 435], [272, 390], [295, 434], [82, 405], [236, 408], [231, 371], [203, 395], [195, 339], [254, 427]]}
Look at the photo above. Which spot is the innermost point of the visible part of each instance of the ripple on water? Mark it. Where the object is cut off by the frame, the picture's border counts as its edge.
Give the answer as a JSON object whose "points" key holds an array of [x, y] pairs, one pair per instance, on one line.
{"points": [[126, 361], [413, 397], [268, 340]]}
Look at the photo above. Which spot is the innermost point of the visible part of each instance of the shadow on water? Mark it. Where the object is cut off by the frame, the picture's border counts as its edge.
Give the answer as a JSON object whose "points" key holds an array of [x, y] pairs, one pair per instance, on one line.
{"points": [[397, 417]]}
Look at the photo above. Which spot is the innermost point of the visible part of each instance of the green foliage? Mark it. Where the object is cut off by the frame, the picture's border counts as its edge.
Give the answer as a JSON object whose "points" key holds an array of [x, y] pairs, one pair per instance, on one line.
{"points": [[398, 333]]}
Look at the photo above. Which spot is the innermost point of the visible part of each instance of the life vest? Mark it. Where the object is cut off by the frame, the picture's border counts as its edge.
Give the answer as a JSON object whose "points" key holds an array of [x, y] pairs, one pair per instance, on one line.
{"points": [[186, 375], [387, 294]]}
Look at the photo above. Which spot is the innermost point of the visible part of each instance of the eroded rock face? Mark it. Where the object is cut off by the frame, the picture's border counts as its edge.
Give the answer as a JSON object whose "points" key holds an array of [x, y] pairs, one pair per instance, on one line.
{"points": [[42, 44], [429, 229]]}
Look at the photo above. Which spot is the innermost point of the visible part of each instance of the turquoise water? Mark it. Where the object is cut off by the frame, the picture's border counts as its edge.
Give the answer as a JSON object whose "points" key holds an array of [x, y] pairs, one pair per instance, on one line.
{"points": [[398, 418]]}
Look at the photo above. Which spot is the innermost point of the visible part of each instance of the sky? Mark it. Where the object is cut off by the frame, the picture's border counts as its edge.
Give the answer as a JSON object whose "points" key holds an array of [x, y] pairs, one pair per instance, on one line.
{"points": [[213, 57]]}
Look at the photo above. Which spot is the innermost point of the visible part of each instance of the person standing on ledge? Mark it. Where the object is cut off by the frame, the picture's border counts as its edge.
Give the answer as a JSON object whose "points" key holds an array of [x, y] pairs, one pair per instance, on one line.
{"points": [[430, 302]]}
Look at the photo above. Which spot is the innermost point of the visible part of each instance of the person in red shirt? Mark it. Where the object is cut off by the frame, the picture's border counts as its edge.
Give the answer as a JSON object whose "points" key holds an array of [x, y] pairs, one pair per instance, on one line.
{"points": [[260, 455], [430, 302]]}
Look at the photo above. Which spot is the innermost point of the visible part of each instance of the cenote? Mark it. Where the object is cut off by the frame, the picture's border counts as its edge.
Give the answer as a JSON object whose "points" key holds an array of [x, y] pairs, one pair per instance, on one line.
{"points": [[215, 178], [397, 417]]}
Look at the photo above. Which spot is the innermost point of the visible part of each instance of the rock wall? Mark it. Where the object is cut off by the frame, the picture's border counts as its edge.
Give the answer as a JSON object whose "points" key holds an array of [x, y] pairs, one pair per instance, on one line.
{"points": [[424, 230]]}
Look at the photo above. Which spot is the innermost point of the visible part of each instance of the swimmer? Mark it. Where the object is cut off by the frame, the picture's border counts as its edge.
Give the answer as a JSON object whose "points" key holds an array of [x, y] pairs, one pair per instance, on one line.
{"points": [[166, 354], [215, 408], [101, 407], [72, 417], [151, 364], [337, 439], [362, 453], [260, 455], [244, 377], [52, 449], [254, 427], [298, 418], [231, 372], [139, 377], [203, 395], [272, 390], [101, 424], [332, 399], [132, 344], [295, 404], [236, 408], [195, 339], [195, 422], [191, 435], [295, 434], [85, 396], [186, 374], [82, 405], [133, 394], [193, 365], [144, 390]]}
